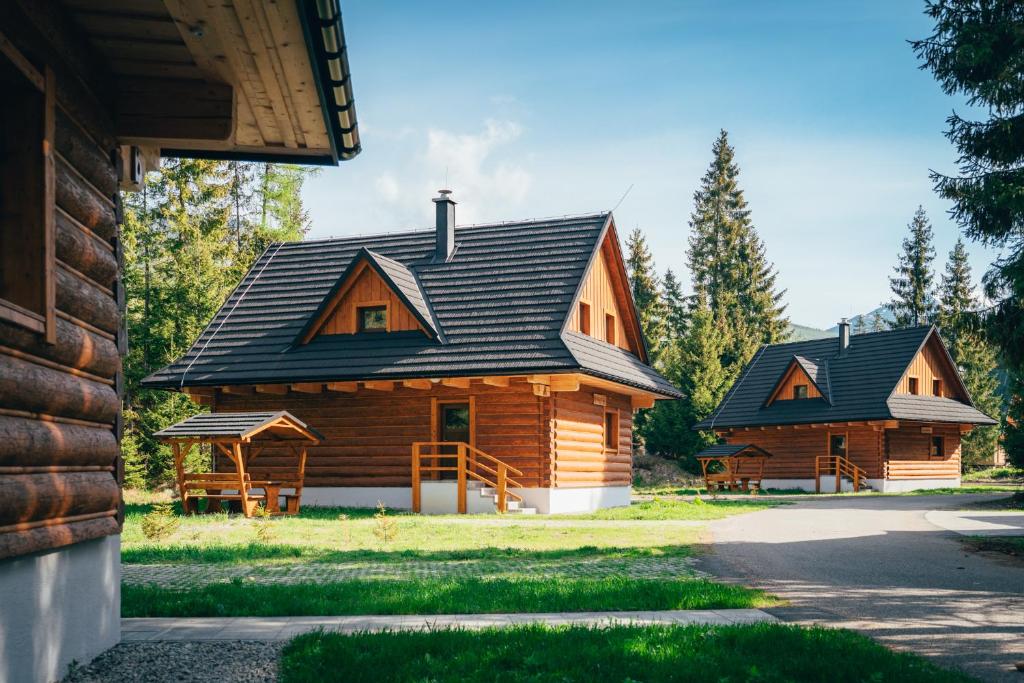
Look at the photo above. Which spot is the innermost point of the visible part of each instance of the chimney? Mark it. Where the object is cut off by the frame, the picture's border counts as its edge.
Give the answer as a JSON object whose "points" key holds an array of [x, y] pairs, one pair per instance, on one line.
{"points": [[844, 336], [444, 211]]}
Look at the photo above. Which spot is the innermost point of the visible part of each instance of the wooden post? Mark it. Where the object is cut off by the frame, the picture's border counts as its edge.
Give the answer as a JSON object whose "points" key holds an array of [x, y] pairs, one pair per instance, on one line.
{"points": [[415, 477], [462, 479], [817, 474], [243, 493], [856, 481], [839, 485], [502, 476]]}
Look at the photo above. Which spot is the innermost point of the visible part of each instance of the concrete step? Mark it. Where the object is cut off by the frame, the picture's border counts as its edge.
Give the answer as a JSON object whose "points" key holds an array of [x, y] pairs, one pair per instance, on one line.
{"points": [[522, 511]]}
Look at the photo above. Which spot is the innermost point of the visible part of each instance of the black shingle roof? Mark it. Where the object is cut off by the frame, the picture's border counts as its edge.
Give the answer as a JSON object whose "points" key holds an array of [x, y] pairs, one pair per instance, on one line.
{"points": [[499, 305], [227, 425], [860, 383], [726, 450]]}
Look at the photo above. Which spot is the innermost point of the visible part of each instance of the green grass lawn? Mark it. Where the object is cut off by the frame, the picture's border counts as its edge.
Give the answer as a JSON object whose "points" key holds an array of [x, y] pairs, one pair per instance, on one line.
{"points": [[437, 596], [1008, 545], [346, 534], [763, 652], [995, 474]]}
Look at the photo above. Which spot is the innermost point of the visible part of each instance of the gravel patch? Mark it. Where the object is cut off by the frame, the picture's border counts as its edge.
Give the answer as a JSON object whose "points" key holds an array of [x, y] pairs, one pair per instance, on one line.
{"points": [[167, 662]]}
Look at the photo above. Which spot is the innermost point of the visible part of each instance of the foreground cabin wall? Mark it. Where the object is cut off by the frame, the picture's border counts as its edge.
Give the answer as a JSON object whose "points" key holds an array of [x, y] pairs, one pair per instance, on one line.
{"points": [[59, 387]]}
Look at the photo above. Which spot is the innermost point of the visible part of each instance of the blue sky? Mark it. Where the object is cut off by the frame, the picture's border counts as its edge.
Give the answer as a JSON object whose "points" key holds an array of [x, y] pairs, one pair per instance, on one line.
{"points": [[541, 108]]}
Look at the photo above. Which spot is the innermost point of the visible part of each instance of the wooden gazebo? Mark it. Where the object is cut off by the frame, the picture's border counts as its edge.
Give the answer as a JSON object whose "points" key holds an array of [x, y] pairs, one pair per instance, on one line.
{"points": [[241, 437], [742, 463]]}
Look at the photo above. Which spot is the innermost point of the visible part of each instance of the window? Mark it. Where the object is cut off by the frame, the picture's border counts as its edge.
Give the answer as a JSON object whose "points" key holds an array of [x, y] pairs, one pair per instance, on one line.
{"points": [[584, 317], [611, 430], [936, 387], [799, 391], [372, 318], [912, 384], [26, 198], [609, 328], [837, 444], [938, 447]]}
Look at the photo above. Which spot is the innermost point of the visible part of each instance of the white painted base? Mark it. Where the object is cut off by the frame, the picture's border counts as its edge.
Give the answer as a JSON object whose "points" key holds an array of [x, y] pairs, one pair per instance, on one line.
{"points": [[903, 485], [439, 497], [393, 497], [828, 484], [59, 606], [563, 500]]}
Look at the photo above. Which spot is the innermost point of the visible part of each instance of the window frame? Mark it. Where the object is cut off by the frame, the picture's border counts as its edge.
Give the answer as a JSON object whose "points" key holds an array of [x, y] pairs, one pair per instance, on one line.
{"points": [[44, 322], [362, 329], [846, 444], [914, 386], [584, 313], [937, 387], [616, 425], [796, 393], [941, 441], [611, 323]]}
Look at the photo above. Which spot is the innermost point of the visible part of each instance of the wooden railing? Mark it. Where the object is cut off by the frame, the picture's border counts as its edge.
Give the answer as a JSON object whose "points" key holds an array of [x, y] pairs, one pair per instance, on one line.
{"points": [[841, 467], [470, 463]]}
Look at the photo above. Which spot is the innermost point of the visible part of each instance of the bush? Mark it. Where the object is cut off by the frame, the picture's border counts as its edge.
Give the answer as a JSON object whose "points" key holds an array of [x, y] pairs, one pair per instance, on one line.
{"points": [[160, 523]]}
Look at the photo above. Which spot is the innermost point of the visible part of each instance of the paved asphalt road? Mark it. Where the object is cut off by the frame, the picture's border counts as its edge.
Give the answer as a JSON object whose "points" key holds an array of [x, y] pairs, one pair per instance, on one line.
{"points": [[875, 564]]}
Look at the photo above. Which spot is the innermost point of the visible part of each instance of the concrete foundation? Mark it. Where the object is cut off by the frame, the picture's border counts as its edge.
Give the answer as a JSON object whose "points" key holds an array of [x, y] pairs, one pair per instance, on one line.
{"points": [[59, 607], [439, 497], [828, 484]]}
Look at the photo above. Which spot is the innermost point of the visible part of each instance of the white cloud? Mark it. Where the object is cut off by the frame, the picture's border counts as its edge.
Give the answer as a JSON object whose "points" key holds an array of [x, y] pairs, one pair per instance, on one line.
{"points": [[387, 187]]}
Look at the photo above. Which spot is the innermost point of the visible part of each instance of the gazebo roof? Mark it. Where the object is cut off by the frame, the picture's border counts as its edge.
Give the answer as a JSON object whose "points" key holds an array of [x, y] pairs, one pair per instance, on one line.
{"points": [[240, 427], [726, 450]]}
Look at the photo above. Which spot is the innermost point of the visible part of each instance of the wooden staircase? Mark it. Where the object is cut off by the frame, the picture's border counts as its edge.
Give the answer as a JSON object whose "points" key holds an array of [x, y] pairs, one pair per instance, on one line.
{"points": [[826, 465], [474, 471]]}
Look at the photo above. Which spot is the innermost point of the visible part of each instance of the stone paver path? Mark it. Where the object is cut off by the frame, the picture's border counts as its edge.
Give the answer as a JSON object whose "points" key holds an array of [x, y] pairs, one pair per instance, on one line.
{"points": [[195, 575], [284, 628]]}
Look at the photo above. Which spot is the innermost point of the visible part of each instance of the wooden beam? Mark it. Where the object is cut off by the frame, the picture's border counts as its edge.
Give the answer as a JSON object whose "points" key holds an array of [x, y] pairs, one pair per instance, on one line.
{"points": [[966, 428], [542, 390], [347, 387], [278, 389], [565, 383], [381, 385], [642, 402], [538, 379], [497, 381], [417, 384], [456, 382], [243, 390], [174, 109], [308, 387]]}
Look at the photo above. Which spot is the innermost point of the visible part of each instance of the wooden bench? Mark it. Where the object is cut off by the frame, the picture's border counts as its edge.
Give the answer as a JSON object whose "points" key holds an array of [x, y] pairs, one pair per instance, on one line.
{"points": [[212, 484]]}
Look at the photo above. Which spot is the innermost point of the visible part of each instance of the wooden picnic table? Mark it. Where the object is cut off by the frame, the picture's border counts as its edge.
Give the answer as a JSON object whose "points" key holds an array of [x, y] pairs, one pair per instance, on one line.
{"points": [[742, 467]]}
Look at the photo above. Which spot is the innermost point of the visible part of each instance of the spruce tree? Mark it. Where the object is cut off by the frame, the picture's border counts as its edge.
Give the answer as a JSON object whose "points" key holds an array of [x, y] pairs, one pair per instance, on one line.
{"points": [[913, 300], [877, 322], [728, 263], [675, 306], [972, 353], [860, 325], [975, 50], [643, 281]]}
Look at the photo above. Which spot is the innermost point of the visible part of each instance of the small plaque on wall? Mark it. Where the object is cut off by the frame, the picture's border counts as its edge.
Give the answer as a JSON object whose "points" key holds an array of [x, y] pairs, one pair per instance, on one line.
{"points": [[600, 400]]}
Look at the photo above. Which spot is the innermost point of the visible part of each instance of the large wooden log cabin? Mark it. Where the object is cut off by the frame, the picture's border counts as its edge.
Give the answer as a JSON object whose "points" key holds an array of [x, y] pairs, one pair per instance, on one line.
{"points": [[93, 93], [891, 404], [517, 344]]}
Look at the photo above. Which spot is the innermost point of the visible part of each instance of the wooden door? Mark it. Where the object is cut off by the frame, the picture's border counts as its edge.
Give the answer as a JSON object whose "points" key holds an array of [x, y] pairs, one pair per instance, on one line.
{"points": [[454, 426]]}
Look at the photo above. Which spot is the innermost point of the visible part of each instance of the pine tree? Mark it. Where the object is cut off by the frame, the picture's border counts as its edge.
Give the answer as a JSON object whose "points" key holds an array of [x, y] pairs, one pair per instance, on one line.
{"points": [[860, 325], [972, 353], [700, 375], [877, 323], [643, 281], [675, 306], [728, 263], [913, 300], [975, 50]]}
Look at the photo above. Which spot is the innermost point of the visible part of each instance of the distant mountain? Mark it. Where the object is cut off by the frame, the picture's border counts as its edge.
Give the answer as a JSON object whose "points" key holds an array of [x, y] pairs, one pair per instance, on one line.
{"points": [[804, 333]]}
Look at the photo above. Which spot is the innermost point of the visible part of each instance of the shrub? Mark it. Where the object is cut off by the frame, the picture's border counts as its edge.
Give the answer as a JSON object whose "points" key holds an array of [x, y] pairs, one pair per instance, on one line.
{"points": [[386, 528], [160, 523]]}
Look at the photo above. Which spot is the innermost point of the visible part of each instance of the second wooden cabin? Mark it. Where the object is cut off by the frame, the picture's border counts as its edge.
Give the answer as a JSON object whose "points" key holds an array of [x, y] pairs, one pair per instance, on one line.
{"points": [[515, 344]]}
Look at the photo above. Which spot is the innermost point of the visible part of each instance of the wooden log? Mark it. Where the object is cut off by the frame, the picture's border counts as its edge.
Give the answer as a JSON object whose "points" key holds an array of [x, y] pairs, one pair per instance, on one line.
{"points": [[34, 388], [83, 202], [82, 153], [76, 347], [31, 497], [55, 536], [28, 442], [86, 302], [83, 252]]}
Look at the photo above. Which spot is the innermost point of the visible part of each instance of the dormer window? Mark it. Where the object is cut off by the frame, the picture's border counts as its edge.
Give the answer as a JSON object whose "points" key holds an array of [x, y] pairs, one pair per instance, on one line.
{"points": [[584, 317], [936, 387], [372, 318], [912, 385], [799, 391]]}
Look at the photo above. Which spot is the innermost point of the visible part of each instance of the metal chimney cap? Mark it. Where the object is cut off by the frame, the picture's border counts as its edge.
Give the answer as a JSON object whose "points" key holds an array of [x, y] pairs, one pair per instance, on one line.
{"points": [[444, 196]]}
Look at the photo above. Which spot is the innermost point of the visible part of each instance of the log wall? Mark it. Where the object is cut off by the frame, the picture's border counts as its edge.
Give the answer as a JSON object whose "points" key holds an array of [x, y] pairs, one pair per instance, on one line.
{"points": [[59, 403], [578, 439], [908, 452], [794, 450], [555, 441]]}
